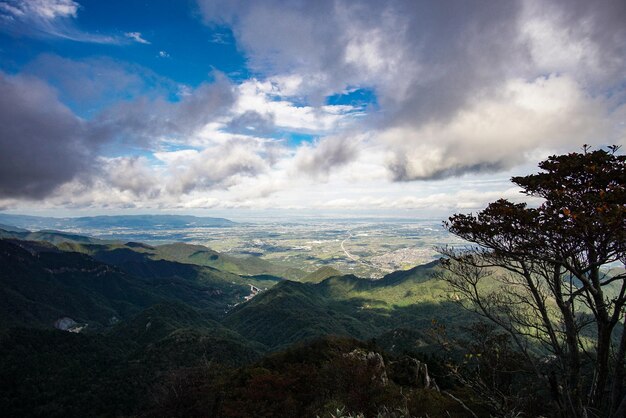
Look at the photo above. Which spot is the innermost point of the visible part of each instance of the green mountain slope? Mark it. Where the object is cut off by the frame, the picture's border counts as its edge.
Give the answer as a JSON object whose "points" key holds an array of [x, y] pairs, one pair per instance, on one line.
{"points": [[399, 289], [291, 312], [320, 274], [174, 333], [347, 305], [40, 284], [204, 256], [37, 287]]}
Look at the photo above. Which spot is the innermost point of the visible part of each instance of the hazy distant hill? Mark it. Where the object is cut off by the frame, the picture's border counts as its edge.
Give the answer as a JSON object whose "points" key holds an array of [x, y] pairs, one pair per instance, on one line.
{"points": [[102, 222], [10, 228], [53, 237], [151, 221]]}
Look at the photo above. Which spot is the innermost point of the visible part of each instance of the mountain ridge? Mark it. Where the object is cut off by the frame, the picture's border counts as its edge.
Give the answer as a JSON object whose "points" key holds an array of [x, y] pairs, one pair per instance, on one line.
{"points": [[108, 221]]}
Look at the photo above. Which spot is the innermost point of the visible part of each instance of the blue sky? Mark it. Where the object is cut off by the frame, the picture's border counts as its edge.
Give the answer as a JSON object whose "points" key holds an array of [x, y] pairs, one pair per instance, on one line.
{"points": [[205, 106], [171, 40]]}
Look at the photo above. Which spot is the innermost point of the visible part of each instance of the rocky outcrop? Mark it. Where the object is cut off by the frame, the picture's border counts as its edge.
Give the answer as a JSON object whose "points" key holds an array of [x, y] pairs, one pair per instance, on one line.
{"points": [[68, 324], [373, 361], [405, 371], [408, 371]]}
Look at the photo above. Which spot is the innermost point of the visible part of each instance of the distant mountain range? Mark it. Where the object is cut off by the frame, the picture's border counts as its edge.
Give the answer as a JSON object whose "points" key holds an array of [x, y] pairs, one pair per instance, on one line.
{"points": [[117, 221]]}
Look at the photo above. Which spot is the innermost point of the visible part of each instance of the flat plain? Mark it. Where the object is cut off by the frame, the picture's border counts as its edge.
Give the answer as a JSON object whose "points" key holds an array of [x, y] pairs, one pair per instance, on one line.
{"points": [[365, 247]]}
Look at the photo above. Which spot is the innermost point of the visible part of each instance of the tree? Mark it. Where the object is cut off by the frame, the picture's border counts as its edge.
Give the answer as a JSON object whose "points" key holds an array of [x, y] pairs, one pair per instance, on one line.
{"points": [[543, 275]]}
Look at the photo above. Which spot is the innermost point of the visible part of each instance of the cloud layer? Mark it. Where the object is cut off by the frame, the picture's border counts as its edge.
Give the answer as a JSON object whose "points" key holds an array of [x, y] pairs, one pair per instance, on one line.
{"points": [[465, 86], [461, 90]]}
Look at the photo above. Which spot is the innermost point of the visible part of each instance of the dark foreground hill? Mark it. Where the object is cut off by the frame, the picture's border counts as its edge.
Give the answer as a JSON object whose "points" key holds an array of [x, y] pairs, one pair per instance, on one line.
{"points": [[325, 377], [117, 373]]}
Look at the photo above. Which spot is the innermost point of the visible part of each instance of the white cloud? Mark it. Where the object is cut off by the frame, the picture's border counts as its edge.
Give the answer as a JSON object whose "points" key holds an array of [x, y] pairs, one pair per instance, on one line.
{"points": [[270, 97], [137, 37], [46, 18], [220, 38], [578, 38], [148, 121], [176, 158], [350, 171], [45, 9], [497, 133], [217, 167], [132, 174]]}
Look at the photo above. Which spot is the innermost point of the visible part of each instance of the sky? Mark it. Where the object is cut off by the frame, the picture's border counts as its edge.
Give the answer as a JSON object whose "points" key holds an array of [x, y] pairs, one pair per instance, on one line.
{"points": [[403, 107]]}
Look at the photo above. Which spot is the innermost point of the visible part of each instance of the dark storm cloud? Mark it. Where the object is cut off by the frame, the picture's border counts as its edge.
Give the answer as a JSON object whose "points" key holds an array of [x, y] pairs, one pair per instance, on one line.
{"points": [[400, 169], [40, 139], [44, 145], [145, 120], [464, 48], [326, 155]]}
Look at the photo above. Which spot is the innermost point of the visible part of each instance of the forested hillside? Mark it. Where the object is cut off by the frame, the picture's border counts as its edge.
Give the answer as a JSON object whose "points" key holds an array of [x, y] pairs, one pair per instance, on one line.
{"points": [[102, 328]]}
